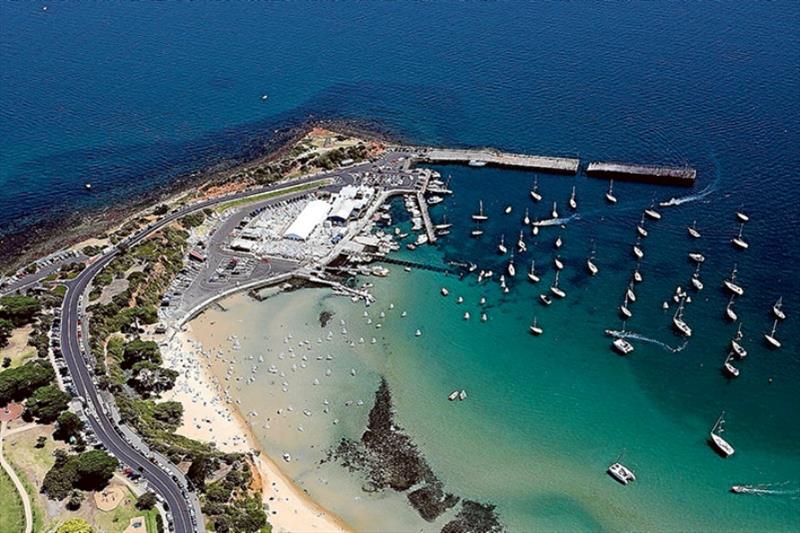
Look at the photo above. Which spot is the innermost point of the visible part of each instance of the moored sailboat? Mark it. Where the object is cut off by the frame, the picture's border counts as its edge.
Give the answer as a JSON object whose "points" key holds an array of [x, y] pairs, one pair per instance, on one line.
{"points": [[573, 203], [770, 337], [535, 191], [555, 289], [719, 443], [480, 215], [535, 329], [532, 274], [679, 323], [731, 284], [610, 198], [777, 309], [739, 241], [693, 230]]}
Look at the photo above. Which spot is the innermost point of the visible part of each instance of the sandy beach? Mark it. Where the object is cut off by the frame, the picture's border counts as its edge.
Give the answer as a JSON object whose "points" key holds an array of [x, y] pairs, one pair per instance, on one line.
{"points": [[208, 418]]}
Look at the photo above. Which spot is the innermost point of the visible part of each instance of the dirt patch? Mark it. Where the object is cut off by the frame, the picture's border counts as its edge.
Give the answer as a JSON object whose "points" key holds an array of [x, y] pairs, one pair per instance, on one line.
{"points": [[109, 498]]}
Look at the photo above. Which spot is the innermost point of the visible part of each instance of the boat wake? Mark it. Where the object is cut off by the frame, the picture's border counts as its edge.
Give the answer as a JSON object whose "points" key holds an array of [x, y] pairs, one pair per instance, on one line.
{"points": [[692, 197], [638, 337], [557, 221], [769, 489]]}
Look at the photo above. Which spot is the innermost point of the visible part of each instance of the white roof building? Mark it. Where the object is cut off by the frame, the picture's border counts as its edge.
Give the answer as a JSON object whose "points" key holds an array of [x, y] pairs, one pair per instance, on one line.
{"points": [[309, 218]]}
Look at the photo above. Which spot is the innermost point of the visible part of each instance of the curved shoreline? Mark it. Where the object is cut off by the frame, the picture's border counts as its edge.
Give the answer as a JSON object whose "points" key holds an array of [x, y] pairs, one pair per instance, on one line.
{"points": [[295, 509]]}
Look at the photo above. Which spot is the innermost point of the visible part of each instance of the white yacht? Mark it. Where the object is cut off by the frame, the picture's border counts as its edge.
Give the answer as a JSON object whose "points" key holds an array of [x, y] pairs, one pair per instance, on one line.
{"points": [[558, 242], [521, 246], [729, 312], [622, 346], [629, 293], [652, 213], [739, 241], [480, 216], [511, 270], [742, 216], [535, 227], [532, 274], [610, 198], [591, 266], [554, 213], [444, 291], [697, 257], [477, 163], [555, 289], [640, 228], [434, 200], [728, 367], [637, 251], [619, 471], [444, 224], [507, 210], [501, 248], [453, 396], [545, 299], [558, 264], [462, 395], [534, 328], [484, 317], [527, 218], [466, 315], [637, 275], [679, 323], [573, 203], [737, 348], [693, 230], [770, 337], [623, 309], [777, 309], [696, 283], [716, 437], [535, 191], [731, 284]]}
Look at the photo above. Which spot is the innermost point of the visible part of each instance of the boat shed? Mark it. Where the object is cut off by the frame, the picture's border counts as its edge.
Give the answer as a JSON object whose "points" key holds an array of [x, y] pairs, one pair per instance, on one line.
{"points": [[309, 218]]}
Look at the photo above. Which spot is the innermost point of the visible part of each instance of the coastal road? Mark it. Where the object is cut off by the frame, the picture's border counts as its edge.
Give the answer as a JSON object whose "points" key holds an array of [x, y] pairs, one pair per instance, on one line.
{"points": [[167, 485]]}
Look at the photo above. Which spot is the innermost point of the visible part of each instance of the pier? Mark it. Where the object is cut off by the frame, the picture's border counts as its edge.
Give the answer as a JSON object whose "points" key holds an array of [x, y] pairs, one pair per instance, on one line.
{"points": [[426, 218], [562, 165], [412, 264], [654, 173]]}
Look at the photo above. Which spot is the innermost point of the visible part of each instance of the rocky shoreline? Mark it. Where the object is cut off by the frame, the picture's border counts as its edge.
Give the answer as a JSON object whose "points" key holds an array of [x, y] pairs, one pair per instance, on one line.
{"points": [[390, 459]]}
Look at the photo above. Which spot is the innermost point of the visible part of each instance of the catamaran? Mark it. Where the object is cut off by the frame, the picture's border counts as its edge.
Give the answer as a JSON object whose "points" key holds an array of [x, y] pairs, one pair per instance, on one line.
{"points": [[716, 437], [535, 191], [731, 284], [610, 198], [555, 289], [554, 213], [501, 248], [693, 230], [679, 323], [573, 204], [534, 328], [777, 309], [729, 312], [621, 473], [770, 337], [728, 367], [622, 346], [480, 216], [739, 241]]}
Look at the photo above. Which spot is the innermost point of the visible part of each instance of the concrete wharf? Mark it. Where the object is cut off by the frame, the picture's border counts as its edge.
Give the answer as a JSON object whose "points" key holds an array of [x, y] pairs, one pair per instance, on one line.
{"points": [[655, 173], [564, 165]]}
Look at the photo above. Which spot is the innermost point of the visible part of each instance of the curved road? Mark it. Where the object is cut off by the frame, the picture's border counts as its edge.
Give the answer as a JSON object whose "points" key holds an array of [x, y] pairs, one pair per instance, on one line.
{"points": [[164, 483]]}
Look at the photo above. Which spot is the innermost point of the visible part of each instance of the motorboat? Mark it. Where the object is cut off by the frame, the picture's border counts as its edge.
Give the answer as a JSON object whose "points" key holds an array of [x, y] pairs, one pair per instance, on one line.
{"points": [[477, 232], [720, 444], [507, 210], [466, 315], [622, 346], [535, 191], [535, 329], [777, 309], [477, 163], [558, 242], [501, 248], [739, 241], [693, 230], [610, 198], [573, 203], [480, 215], [444, 291], [731, 284], [770, 337], [511, 270], [621, 473], [697, 257], [557, 262], [545, 299], [453, 396], [532, 274], [462, 395]]}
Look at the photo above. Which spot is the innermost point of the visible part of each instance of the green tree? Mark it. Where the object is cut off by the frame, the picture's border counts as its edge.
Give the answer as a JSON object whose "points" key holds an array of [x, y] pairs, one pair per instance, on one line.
{"points": [[47, 403], [62, 477], [148, 378], [146, 501], [138, 350], [197, 472], [75, 525], [19, 310], [68, 425], [75, 500], [169, 412], [95, 468], [6, 327], [20, 382]]}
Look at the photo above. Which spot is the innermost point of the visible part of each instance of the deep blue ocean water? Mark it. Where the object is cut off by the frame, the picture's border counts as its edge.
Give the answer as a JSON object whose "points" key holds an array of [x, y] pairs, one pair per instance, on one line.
{"points": [[128, 96]]}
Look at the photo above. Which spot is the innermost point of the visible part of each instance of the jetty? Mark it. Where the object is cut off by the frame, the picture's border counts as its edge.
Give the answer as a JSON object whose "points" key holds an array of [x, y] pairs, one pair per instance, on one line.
{"points": [[488, 156], [667, 175]]}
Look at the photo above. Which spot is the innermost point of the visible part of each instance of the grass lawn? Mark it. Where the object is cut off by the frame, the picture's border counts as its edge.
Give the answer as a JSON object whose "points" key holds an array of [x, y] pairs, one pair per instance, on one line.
{"points": [[17, 349], [13, 518], [118, 519], [272, 194]]}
